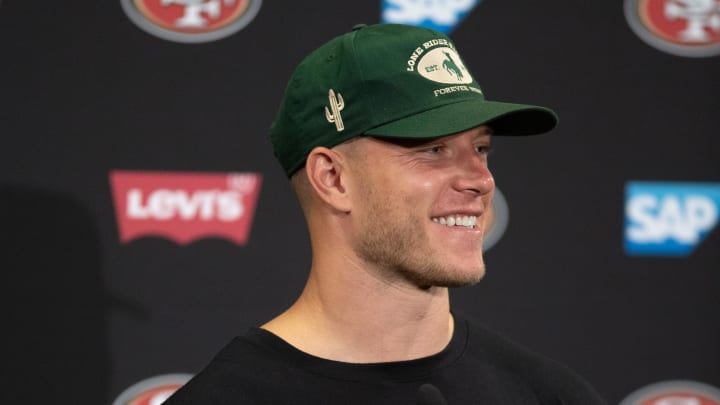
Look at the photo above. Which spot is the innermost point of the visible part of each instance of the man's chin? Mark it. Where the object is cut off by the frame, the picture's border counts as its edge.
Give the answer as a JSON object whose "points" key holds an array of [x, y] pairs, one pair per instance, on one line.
{"points": [[453, 279], [466, 282]]}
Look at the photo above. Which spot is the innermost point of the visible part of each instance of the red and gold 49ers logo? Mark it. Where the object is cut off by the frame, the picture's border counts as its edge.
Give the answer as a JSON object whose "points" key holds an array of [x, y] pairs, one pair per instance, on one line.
{"points": [[191, 20], [674, 393], [152, 391], [680, 27]]}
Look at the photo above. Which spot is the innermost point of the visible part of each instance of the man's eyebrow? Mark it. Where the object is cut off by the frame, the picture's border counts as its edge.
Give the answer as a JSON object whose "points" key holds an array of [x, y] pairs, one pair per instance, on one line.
{"points": [[485, 131]]}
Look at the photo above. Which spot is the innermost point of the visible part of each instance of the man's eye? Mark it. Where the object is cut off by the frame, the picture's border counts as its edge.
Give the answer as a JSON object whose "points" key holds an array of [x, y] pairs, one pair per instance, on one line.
{"points": [[434, 149], [483, 149]]}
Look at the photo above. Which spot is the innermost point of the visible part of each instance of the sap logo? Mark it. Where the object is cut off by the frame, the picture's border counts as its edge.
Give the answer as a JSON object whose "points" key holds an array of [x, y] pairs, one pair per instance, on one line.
{"points": [[184, 207], [440, 15], [669, 219]]}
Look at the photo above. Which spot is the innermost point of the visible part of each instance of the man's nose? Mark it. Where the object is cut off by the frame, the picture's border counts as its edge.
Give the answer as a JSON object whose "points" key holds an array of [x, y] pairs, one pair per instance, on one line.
{"points": [[474, 176]]}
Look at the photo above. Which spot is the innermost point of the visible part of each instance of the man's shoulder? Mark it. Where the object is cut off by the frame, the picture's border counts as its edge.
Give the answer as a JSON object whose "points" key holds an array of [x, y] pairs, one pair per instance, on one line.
{"points": [[498, 348], [547, 377], [246, 366]]}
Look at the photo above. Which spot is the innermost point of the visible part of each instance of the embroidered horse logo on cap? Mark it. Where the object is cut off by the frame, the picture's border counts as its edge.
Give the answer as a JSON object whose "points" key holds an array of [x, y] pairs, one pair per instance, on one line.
{"points": [[451, 67], [443, 65]]}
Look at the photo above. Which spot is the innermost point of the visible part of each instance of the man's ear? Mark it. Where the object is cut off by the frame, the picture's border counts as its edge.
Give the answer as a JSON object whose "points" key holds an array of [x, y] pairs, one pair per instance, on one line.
{"points": [[326, 174]]}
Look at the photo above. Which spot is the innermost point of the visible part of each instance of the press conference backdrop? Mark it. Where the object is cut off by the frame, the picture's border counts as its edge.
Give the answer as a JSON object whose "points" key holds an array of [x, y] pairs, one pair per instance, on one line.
{"points": [[145, 222]]}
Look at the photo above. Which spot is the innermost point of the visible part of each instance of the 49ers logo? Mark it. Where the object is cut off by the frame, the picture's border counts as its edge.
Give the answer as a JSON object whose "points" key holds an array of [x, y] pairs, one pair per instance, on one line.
{"points": [[674, 393], [184, 206], [191, 20], [152, 391], [680, 27]]}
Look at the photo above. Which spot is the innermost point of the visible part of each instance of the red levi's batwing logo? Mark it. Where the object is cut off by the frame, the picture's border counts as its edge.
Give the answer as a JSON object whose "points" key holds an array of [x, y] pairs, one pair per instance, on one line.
{"points": [[184, 207]]}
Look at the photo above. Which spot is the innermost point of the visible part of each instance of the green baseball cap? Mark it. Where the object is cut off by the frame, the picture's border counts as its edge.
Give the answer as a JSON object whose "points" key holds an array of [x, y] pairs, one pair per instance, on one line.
{"points": [[392, 81]]}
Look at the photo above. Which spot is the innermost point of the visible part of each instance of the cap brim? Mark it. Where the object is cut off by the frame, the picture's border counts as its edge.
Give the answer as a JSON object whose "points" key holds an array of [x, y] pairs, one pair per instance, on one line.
{"points": [[502, 118]]}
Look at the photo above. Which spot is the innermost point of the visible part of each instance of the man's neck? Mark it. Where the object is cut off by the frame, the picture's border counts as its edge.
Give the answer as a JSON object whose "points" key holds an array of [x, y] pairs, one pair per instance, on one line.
{"points": [[347, 314]]}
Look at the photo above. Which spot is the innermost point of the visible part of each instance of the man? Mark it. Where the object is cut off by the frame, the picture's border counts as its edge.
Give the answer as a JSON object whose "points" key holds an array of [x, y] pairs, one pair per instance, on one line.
{"points": [[384, 134]]}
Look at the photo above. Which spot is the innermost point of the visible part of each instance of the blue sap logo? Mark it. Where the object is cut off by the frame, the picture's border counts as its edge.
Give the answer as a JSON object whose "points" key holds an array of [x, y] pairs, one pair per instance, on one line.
{"points": [[440, 15], [669, 219]]}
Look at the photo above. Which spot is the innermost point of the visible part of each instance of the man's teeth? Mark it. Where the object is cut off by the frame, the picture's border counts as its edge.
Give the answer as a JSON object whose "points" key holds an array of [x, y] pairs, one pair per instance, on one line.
{"points": [[466, 221]]}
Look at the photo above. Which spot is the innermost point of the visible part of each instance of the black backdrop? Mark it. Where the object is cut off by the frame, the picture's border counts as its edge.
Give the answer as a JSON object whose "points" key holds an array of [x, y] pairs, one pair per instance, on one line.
{"points": [[84, 92]]}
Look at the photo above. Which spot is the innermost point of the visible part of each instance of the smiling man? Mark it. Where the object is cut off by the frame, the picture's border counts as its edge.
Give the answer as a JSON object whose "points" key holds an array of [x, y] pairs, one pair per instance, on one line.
{"points": [[385, 134]]}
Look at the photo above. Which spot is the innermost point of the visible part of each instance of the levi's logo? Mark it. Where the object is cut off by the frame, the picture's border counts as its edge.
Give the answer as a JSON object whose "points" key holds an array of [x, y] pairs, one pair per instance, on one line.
{"points": [[184, 206]]}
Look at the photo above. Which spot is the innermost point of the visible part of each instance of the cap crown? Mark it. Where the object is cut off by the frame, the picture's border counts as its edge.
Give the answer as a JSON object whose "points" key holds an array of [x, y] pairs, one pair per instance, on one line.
{"points": [[368, 77]]}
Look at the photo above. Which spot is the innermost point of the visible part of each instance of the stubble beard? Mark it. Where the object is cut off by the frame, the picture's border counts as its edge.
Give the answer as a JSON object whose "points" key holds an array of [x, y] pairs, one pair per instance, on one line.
{"points": [[400, 251]]}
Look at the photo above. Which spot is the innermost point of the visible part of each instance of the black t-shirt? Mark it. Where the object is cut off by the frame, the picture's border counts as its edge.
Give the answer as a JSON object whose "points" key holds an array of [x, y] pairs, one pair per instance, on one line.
{"points": [[477, 367]]}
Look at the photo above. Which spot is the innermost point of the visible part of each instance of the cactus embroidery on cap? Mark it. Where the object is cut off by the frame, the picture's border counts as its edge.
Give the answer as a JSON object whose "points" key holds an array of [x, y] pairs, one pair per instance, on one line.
{"points": [[336, 105]]}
